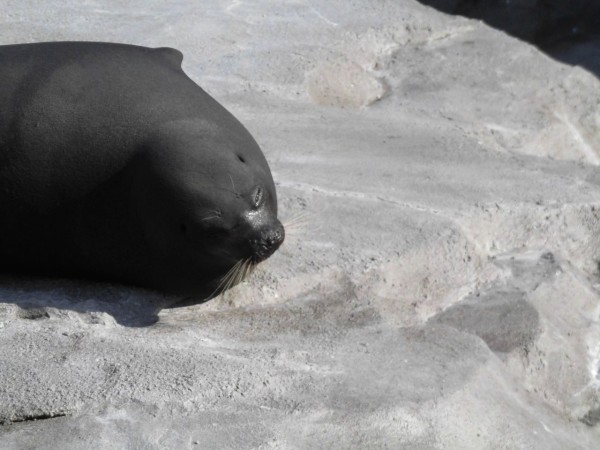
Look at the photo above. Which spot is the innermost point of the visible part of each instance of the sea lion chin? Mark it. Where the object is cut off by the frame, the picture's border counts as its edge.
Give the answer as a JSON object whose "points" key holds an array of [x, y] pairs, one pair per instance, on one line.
{"points": [[114, 165]]}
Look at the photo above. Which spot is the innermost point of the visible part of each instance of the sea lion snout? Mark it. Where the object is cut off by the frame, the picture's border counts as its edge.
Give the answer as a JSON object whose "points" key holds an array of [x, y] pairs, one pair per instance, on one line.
{"points": [[268, 241]]}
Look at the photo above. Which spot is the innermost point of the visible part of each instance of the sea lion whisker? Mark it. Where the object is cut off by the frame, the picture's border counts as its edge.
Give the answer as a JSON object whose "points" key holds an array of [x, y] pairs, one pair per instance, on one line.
{"points": [[234, 275], [298, 219], [233, 185], [253, 266], [292, 232], [220, 188], [297, 224], [301, 219], [247, 269], [209, 218], [224, 189], [240, 275], [224, 281], [300, 215], [231, 280], [220, 287]]}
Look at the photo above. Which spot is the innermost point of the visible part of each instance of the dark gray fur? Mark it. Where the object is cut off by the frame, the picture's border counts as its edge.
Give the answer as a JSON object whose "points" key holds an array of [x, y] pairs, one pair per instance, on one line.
{"points": [[115, 165]]}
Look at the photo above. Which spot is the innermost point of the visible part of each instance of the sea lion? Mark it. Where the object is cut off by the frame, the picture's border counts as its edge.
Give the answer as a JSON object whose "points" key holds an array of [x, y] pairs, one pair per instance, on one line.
{"points": [[115, 165]]}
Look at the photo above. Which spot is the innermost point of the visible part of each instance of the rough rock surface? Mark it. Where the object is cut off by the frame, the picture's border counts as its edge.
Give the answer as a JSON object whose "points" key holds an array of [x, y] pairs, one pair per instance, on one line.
{"points": [[440, 291]]}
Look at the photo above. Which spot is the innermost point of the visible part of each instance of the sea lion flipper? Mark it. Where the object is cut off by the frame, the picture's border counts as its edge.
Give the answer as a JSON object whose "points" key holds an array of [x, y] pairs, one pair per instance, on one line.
{"points": [[172, 55]]}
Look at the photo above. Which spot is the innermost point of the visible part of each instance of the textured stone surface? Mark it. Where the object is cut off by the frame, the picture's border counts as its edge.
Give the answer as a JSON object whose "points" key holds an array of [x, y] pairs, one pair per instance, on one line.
{"points": [[440, 289]]}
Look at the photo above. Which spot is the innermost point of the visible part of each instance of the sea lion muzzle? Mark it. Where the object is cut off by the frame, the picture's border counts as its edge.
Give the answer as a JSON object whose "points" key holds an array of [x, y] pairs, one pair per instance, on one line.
{"points": [[269, 240]]}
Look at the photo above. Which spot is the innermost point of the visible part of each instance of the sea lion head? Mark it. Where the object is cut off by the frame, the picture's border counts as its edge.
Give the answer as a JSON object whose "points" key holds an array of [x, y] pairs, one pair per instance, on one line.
{"points": [[208, 200]]}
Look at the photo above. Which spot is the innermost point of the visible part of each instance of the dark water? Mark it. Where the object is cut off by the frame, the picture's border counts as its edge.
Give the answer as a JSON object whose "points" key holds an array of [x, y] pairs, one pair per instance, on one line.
{"points": [[584, 53], [568, 31]]}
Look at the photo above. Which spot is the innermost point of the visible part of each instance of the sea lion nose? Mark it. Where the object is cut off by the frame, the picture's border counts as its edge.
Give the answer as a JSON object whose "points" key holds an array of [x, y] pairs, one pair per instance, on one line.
{"points": [[275, 237], [269, 240]]}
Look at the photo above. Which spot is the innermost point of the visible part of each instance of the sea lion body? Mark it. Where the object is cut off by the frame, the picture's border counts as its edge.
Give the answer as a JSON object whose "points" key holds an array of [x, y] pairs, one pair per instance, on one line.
{"points": [[115, 165]]}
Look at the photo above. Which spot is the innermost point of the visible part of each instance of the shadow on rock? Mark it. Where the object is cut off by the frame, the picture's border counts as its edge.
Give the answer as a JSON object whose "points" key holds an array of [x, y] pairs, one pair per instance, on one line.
{"points": [[128, 306], [503, 319], [501, 315], [566, 31]]}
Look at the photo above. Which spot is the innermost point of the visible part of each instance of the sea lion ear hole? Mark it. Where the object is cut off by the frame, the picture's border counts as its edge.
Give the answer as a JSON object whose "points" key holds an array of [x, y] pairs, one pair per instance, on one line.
{"points": [[241, 158]]}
